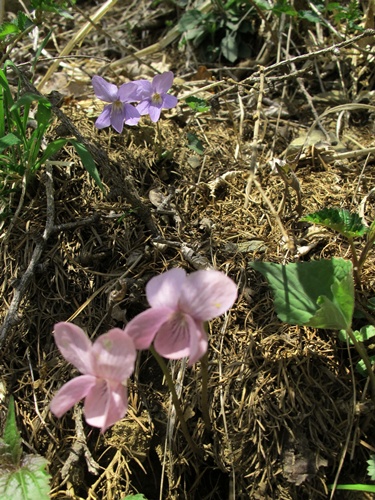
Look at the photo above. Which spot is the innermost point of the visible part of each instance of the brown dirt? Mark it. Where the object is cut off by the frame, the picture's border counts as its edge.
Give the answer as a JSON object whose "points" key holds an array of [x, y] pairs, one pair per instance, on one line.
{"points": [[285, 413]]}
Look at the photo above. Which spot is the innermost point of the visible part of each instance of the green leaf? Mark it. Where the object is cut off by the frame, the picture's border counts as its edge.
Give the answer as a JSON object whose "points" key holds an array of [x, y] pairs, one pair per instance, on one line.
{"points": [[134, 497], [190, 20], [52, 148], [263, 4], [229, 47], [195, 144], [11, 435], [348, 224], [365, 333], [7, 29], [197, 104], [310, 16], [28, 98], [29, 482], [8, 141], [361, 367], [88, 162], [318, 293], [371, 467]]}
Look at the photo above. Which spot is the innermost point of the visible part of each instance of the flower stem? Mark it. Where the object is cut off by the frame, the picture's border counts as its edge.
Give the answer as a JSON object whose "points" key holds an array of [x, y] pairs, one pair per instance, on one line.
{"points": [[204, 394], [176, 401]]}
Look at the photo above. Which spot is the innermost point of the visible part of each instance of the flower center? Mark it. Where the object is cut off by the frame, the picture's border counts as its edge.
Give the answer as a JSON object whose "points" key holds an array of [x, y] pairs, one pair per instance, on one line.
{"points": [[156, 98], [117, 106]]}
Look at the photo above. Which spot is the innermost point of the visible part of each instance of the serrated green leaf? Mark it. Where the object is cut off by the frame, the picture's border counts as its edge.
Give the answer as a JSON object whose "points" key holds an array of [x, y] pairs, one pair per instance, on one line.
{"points": [[11, 434], [7, 29], [29, 482], [371, 467], [346, 223], [88, 162], [197, 104], [195, 144], [318, 293]]}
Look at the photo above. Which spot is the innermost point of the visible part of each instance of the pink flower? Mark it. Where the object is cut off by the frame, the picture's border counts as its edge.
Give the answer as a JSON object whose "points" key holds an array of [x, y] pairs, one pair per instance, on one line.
{"points": [[106, 365], [180, 305], [153, 95], [119, 112]]}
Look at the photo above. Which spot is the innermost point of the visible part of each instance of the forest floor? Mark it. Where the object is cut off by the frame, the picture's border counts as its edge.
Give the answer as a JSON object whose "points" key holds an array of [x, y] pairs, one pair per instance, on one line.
{"points": [[220, 188]]}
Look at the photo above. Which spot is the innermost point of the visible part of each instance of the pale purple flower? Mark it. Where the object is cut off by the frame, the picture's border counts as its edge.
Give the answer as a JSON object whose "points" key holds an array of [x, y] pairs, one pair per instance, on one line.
{"points": [[154, 97], [105, 365], [119, 111], [180, 304]]}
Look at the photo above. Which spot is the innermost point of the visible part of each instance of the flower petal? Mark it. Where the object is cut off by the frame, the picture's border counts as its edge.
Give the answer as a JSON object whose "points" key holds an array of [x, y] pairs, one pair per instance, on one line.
{"points": [[104, 119], [144, 89], [173, 338], [169, 101], [104, 90], [129, 92], [118, 116], [70, 393], [165, 290], [114, 355], [132, 115], [105, 404], [154, 111], [198, 344], [207, 294], [75, 346], [143, 328], [143, 107], [162, 83]]}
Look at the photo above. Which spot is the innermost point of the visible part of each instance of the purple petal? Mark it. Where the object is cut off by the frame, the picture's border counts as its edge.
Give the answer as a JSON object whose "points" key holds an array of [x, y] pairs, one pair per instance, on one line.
{"points": [[118, 116], [75, 346], [143, 107], [104, 119], [129, 92], [162, 83], [132, 115], [173, 338], [105, 404], [70, 393], [114, 354], [154, 112], [104, 90], [169, 101], [207, 294], [143, 328], [144, 89], [165, 290]]}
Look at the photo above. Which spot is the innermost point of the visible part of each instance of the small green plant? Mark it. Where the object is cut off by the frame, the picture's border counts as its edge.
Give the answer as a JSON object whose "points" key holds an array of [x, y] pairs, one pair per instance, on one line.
{"points": [[21, 476], [23, 150], [222, 31], [350, 226]]}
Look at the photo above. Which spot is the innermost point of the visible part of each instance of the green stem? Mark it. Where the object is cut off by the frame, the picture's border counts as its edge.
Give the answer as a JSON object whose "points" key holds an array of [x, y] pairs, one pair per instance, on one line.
{"points": [[363, 353], [204, 394], [354, 487], [159, 141], [176, 401]]}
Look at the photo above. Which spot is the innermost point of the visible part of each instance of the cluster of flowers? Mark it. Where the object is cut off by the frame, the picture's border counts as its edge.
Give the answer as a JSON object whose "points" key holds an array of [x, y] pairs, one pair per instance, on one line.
{"points": [[179, 306], [152, 97]]}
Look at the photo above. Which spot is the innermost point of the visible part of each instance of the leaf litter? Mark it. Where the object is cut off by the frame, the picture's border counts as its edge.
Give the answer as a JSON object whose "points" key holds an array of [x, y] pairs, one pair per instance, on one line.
{"points": [[285, 415]]}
